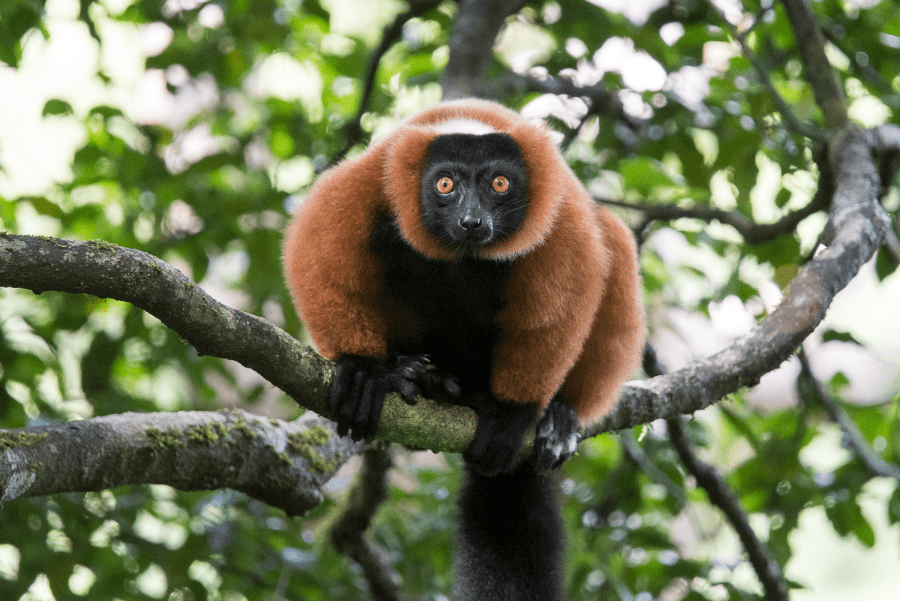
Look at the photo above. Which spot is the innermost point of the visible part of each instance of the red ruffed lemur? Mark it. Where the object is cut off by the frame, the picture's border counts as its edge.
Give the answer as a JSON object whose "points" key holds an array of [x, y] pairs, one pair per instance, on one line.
{"points": [[461, 259]]}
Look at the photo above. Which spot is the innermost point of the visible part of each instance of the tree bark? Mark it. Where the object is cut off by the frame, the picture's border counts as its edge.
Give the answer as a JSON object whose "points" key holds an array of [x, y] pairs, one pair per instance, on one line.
{"points": [[472, 45], [283, 464]]}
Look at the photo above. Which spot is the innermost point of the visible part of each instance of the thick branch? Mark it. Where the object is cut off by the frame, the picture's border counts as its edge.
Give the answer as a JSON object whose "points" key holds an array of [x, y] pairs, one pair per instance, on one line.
{"points": [[109, 271], [767, 569], [826, 84], [283, 464], [472, 45]]}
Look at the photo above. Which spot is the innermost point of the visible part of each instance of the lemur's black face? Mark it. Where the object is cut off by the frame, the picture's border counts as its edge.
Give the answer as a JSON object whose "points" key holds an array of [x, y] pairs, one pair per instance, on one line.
{"points": [[474, 189]]}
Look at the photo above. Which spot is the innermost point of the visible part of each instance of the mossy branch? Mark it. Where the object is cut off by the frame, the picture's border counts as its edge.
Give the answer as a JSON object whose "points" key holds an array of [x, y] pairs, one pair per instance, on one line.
{"points": [[283, 464]]}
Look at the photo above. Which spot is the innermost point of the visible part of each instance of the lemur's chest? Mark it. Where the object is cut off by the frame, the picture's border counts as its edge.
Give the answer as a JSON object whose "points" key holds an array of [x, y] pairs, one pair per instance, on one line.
{"points": [[451, 306]]}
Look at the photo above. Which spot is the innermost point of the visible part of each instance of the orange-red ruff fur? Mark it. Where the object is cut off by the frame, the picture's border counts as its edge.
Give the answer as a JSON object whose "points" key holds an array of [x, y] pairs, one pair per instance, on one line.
{"points": [[572, 322]]}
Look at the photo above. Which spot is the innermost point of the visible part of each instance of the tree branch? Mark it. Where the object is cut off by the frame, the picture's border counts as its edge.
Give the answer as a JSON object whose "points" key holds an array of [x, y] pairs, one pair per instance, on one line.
{"points": [[347, 534], [790, 119], [854, 437], [283, 464], [857, 224], [767, 569], [826, 84], [389, 36], [863, 70], [110, 271], [472, 45], [603, 101], [750, 231]]}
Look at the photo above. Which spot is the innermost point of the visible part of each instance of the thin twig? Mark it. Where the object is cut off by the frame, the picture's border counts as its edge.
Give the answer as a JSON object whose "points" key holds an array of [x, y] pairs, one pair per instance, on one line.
{"points": [[603, 101], [852, 434], [636, 454], [892, 243], [767, 569], [752, 232], [865, 70], [353, 130], [792, 122]]}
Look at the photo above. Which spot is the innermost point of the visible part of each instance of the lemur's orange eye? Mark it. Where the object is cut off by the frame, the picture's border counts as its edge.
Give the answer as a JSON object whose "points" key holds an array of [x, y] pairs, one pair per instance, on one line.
{"points": [[445, 185], [500, 184]]}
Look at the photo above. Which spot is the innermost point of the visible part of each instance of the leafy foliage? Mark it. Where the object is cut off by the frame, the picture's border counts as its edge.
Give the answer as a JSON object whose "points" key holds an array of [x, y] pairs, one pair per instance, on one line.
{"points": [[261, 97]]}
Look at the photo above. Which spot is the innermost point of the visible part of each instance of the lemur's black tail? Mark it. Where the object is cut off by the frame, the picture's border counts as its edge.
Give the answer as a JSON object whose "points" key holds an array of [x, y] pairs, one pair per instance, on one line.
{"points": [[510, 539]]}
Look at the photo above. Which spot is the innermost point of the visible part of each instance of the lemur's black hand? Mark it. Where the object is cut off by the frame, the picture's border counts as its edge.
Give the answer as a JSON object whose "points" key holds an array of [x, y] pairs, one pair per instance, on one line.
{"points": [[501, 430], [357, 394], [431, 382], [557, 436]]}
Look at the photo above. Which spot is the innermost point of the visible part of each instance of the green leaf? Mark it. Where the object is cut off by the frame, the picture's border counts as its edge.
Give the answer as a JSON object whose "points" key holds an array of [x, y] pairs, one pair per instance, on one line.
{"points": [[55, 106], [839, 381], [831, 335], [847, 518], [643, 175], [885, 263], [784, 250], [105, 111], [45, 206], [740, 424], [893, 508], [17, 17]]}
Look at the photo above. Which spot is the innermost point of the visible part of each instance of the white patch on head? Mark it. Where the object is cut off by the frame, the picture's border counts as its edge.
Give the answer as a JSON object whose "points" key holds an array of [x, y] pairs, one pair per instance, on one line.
{"points": [[464, 126]]}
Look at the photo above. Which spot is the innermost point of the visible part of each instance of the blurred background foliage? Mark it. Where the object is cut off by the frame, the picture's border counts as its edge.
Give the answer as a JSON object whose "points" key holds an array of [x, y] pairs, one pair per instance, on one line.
{"points": [[191, 129]]}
